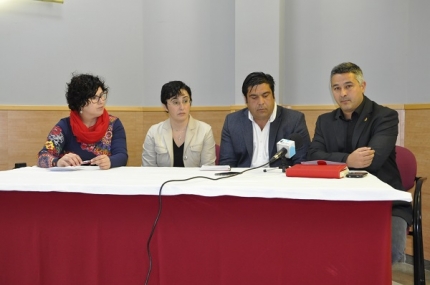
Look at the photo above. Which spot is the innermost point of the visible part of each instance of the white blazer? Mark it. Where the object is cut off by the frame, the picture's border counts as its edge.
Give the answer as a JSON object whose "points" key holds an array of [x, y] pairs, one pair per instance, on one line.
{"points": [[199, 148]]}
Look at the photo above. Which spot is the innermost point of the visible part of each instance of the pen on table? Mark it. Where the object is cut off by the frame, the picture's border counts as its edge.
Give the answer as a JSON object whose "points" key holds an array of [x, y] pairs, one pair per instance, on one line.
{"points": [[86, 162], [268, 169]]}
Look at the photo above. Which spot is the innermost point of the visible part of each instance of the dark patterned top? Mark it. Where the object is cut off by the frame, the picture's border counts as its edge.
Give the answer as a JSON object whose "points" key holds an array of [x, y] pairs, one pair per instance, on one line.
{"points": [[61, 141]]}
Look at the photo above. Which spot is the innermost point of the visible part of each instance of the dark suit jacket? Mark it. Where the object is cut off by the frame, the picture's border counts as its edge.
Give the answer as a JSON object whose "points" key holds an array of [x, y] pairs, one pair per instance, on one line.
{"points": [[377, 127], [236, 140]]}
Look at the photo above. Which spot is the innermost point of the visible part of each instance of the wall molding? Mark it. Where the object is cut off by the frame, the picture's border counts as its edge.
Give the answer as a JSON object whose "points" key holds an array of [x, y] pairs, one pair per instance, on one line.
{"points": [[417, 106], [231, 108]]}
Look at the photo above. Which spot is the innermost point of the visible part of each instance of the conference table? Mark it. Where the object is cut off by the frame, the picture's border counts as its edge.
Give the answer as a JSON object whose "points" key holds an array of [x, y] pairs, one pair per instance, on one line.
{"points": [[84, 225]]}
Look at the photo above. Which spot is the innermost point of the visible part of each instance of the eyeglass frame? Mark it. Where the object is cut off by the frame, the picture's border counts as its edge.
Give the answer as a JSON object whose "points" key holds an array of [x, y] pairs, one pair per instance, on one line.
{"points": [[102, 96], [177, 103]]}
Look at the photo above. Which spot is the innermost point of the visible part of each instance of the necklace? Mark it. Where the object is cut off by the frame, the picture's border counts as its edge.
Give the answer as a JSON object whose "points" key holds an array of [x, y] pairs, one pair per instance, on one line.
{"points": [[180, 135], [180, 132]]}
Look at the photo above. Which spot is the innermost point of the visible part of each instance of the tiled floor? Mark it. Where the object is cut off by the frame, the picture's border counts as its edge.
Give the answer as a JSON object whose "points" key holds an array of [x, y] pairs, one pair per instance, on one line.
{"points": [[403, 274]]}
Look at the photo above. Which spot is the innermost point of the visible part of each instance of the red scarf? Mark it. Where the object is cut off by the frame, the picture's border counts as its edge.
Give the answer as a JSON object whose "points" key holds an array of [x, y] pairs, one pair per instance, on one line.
{"points": [[92, 134]]}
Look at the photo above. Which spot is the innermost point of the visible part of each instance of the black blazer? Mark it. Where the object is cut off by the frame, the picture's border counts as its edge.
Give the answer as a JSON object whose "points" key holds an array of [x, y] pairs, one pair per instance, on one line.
{"points": [[377, 127], [237, 138]]}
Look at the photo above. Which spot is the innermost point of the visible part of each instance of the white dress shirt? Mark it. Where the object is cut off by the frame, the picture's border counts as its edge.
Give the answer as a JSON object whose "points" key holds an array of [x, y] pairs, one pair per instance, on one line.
{"points": [[260, 140]]}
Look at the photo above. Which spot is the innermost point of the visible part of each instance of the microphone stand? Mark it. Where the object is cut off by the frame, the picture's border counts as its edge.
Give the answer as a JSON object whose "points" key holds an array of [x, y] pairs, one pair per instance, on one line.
{"points": [[284, 163]]}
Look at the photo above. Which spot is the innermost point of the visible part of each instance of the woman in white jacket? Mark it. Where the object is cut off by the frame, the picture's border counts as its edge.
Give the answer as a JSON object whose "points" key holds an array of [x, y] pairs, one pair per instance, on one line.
{"points": [[181, 140]]}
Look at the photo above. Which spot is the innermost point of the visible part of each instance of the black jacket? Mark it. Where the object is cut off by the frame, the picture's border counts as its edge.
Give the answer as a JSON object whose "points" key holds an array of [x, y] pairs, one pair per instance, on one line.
{"points": [[377, 127]]}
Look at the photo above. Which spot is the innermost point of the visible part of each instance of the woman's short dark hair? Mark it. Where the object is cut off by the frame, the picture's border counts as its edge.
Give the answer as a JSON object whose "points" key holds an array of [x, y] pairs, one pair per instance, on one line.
{"points": [[81, 88], [173, 89]]}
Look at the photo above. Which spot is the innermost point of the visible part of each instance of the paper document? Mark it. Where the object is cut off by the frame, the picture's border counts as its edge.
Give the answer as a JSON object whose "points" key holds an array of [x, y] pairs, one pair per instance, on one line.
{"points": [[66, 168], [216, 167]]}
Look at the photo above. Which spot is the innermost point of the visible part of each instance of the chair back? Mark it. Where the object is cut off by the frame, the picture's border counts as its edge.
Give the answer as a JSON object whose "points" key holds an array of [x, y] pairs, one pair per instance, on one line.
{"points": [[216, 154], [407, 165]]}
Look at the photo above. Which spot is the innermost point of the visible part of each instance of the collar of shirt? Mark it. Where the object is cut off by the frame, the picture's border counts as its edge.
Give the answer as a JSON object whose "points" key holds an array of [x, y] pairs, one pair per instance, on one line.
{"points": [[260, 140]]}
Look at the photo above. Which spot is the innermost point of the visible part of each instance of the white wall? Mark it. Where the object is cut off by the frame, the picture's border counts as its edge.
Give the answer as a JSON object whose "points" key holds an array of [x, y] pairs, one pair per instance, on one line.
{"points": [[418, 73], [257, 42], [212, 45], [322, 34], [43, 43], [191, 41]]}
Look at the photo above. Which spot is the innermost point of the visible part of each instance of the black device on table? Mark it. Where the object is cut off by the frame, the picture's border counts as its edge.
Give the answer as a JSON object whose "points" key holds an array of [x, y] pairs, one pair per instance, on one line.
{"points": [[356, 174]]}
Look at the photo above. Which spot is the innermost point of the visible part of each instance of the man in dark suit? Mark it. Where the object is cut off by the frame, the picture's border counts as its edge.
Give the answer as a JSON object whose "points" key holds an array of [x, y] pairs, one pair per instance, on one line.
{"points": [[249, 136], [362, 134]]}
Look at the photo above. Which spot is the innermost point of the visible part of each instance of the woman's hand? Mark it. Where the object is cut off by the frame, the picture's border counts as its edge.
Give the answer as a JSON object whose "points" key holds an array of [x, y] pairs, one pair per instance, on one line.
{"points": [[103, 161], [69, 159]]}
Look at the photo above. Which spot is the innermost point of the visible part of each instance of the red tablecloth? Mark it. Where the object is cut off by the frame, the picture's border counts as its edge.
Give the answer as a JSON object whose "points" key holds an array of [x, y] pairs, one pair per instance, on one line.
{"points": [[55, 238]]}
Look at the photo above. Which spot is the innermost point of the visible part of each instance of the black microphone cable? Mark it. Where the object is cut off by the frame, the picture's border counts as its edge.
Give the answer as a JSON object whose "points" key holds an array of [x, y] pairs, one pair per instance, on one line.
{"points": [[160, 204]]}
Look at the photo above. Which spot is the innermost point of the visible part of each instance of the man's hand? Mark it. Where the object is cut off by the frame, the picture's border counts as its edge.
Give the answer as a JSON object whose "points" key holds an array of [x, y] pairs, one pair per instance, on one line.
{"points": [[361, 158]]}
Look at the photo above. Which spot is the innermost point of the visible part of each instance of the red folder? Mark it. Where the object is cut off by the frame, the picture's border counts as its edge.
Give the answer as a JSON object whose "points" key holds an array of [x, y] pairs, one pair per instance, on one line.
{"points": [[317, 171]]}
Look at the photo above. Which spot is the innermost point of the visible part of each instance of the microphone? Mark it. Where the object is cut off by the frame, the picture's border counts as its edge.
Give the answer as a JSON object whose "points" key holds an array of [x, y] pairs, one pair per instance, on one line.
{"points": [[290, 144], [278, 155]]}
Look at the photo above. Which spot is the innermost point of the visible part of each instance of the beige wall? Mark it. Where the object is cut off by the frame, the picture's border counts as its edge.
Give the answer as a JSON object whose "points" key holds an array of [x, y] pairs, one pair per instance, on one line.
{"points": [[23, 131], [417, 139]]}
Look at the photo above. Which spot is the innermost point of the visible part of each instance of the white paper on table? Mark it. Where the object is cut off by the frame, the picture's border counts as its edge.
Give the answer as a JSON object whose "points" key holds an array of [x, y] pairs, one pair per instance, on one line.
{"points": [[216, 167], [66, 168]]}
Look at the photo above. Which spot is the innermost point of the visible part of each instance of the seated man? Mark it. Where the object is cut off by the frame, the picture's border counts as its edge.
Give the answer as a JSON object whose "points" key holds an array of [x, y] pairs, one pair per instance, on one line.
{"points": [[363, 134], [249, 136]]}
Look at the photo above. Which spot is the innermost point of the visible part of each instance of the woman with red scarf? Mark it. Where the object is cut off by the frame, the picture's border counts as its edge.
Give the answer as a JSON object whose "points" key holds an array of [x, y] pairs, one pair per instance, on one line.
{"points": [[90, 135]]}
